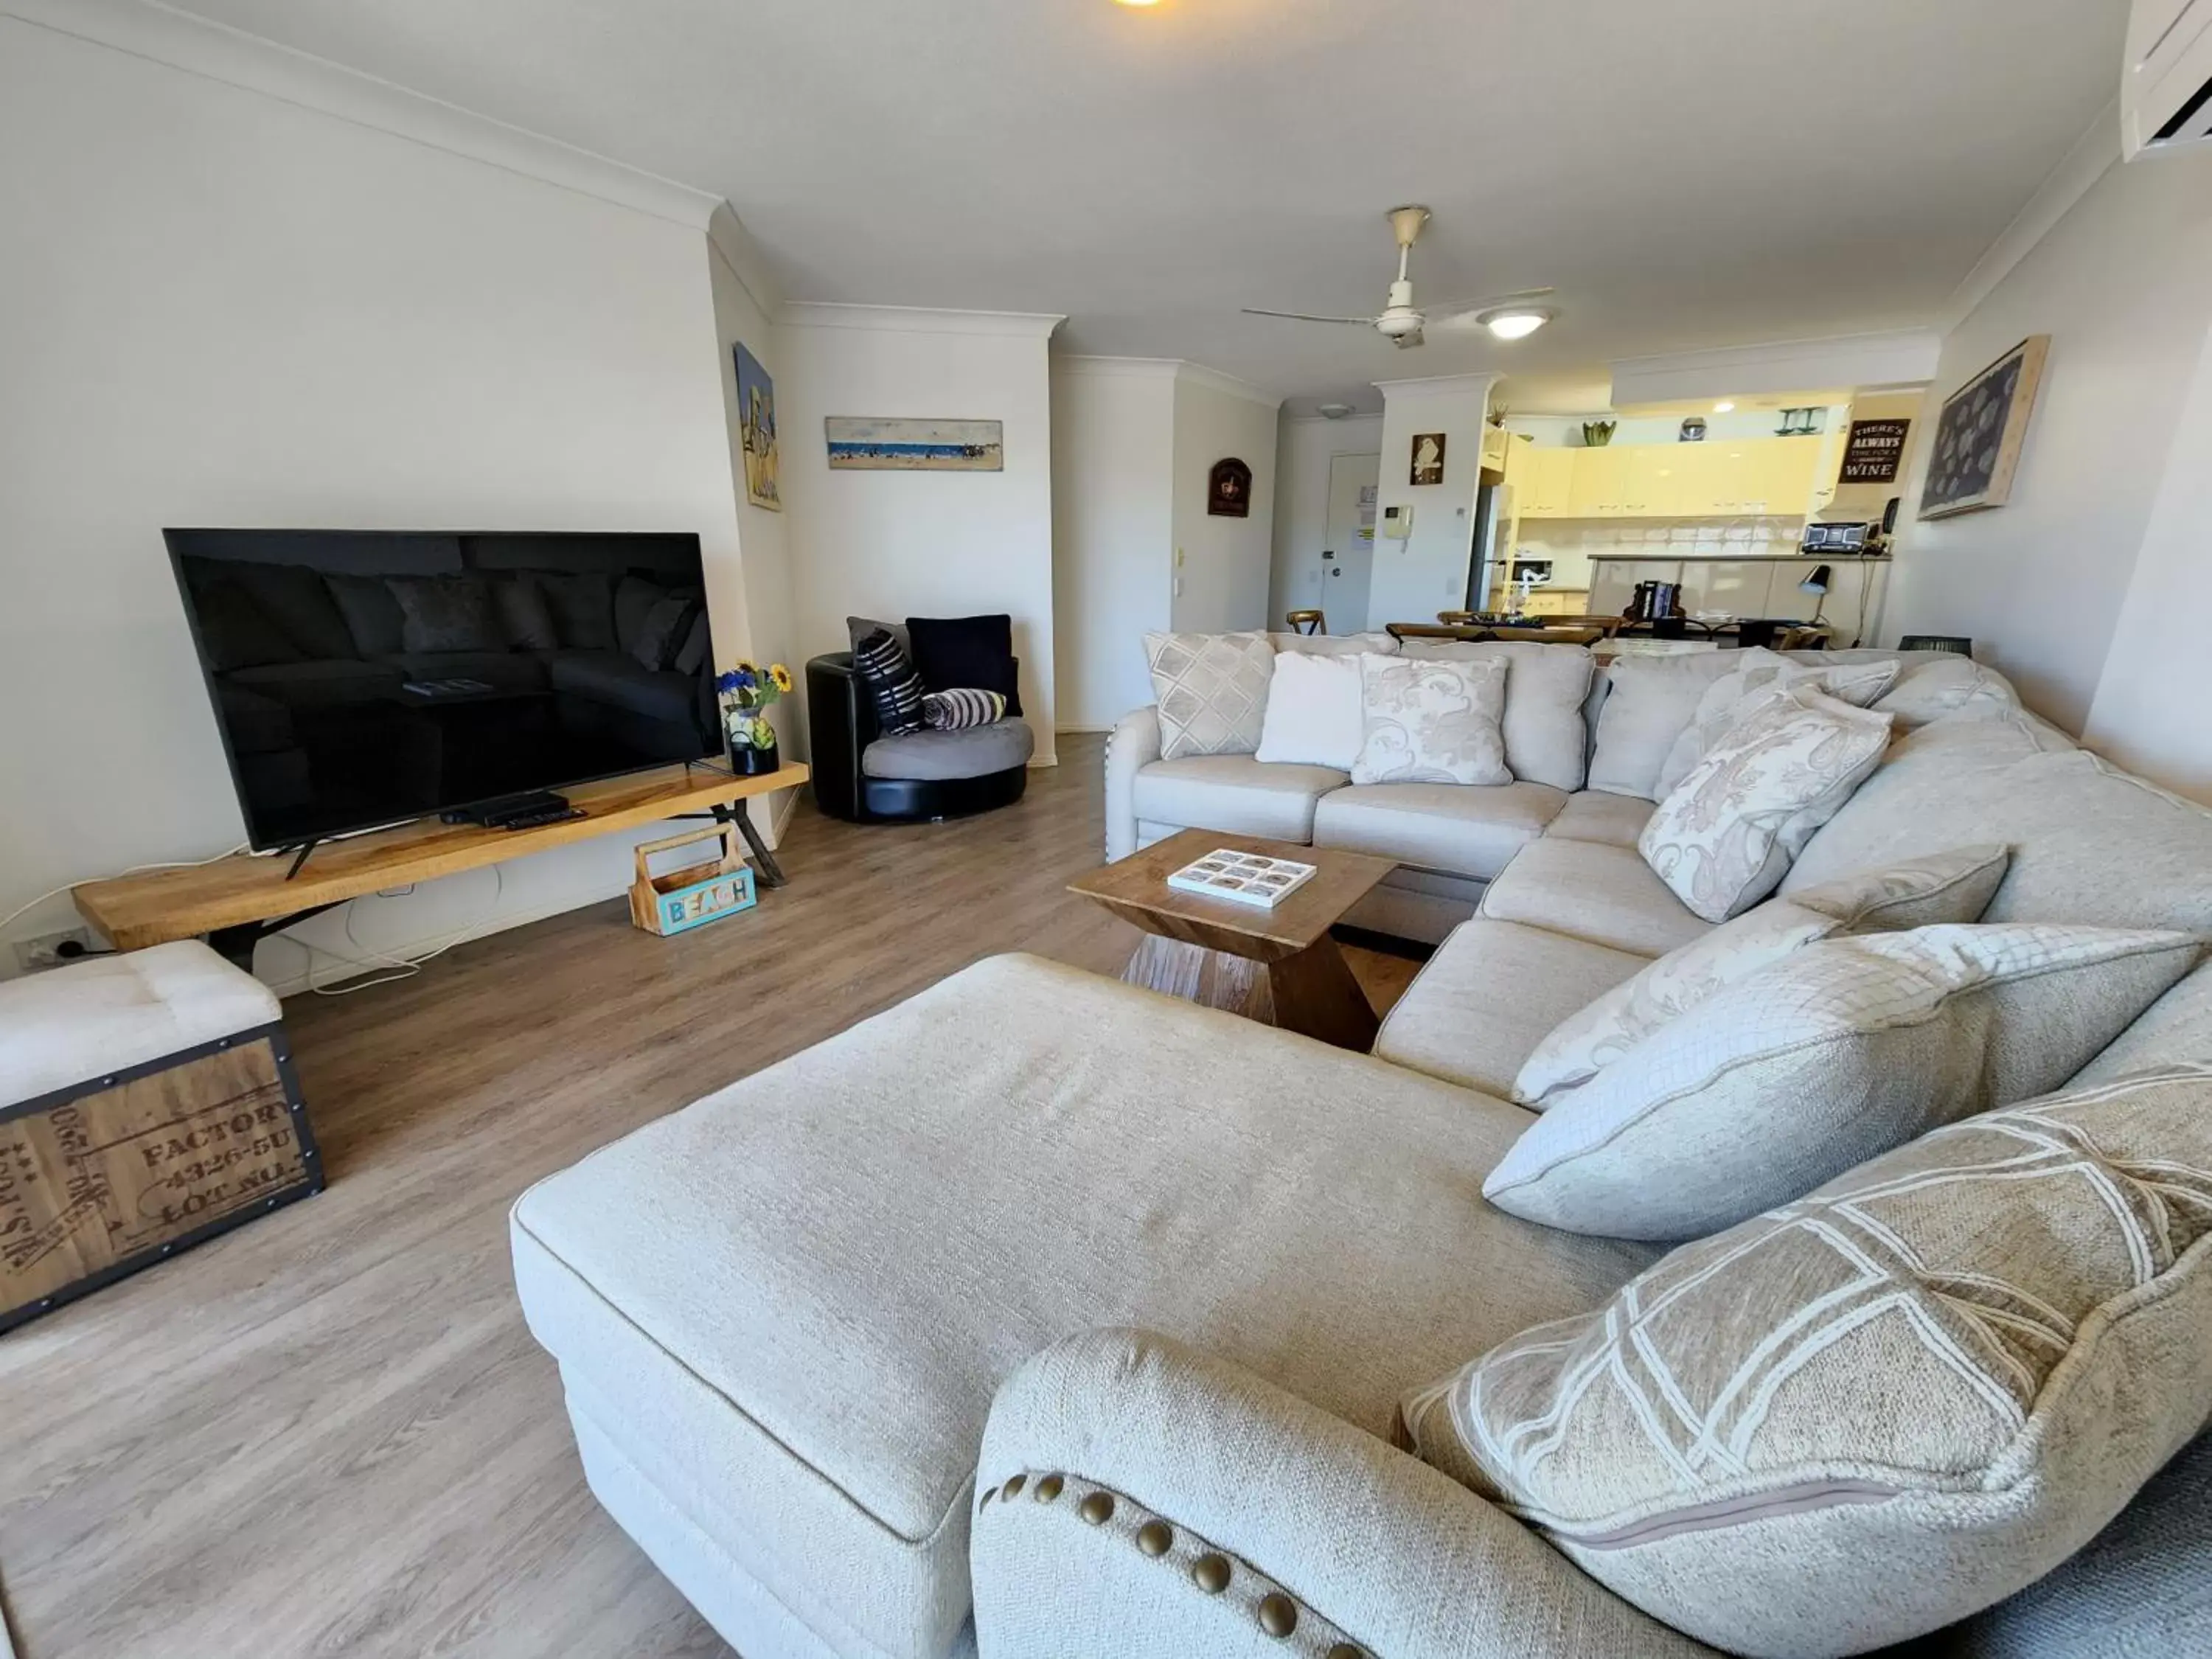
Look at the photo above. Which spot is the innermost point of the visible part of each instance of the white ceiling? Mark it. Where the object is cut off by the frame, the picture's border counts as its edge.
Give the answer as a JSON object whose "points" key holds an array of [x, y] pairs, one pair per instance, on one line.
{"points": [[1692, 174]]}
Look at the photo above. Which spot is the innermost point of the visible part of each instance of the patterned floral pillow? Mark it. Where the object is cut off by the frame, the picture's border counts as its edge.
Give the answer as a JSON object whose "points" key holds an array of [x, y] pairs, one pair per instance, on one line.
{"points": [[1212, 692], [1726, 834], [1949, 887], [1431, 721], [1858, 684], [1875, 1410]]}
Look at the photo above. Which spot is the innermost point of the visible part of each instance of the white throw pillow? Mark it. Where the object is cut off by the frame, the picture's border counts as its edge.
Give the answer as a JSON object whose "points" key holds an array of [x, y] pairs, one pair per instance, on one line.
{"points": [[1858, 684], [1827, 1058], [1212, 692], [1314, 712], [1726, 835], [1431, 721], [1897, 1402], [1949, 887]]}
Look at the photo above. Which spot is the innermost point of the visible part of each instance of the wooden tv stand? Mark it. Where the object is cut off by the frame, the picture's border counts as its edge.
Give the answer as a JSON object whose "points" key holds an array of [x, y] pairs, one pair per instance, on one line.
{"points": [[239, 901]]}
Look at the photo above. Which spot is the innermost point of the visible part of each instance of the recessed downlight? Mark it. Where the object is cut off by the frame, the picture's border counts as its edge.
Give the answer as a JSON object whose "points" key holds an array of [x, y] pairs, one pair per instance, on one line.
{"points": [[1723, 407], [1516, 322]]}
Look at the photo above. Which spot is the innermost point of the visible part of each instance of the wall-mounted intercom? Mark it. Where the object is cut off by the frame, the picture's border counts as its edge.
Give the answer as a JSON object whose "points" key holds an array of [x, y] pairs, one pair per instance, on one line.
{"points": [[1397, 522]]}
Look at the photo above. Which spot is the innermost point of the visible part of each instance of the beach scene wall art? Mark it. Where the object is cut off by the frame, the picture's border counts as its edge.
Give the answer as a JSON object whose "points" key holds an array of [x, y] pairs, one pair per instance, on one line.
{"points": [[865, 444]]}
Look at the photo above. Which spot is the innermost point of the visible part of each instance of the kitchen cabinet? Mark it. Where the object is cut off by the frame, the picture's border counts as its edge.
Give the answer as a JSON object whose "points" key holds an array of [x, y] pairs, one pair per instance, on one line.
{"points": [[1544, 481], [1718, 479]]}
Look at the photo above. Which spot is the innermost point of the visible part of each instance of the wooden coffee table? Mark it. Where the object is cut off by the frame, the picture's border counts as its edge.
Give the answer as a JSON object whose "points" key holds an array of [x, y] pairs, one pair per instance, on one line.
{"points": [[1280, 967]]}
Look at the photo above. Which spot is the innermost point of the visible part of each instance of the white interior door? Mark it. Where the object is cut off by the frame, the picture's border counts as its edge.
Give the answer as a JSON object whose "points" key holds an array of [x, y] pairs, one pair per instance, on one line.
{"points": [[1347, 559]]}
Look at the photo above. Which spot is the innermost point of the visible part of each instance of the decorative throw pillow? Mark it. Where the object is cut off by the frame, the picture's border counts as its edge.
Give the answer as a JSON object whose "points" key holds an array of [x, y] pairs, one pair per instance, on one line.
{"points": [[634, 597], [1212, 690], [1649, 702], [896, 689], [961, 708], [583, 604], [1431, 721], [1858, 684], [1724, 838], [1949, 887], [524, 614], [858, 628], [1829, 1057], [692, 655], [1546, 688], [661, 632], [952, 652], [235, 631], [444, 613], [1314, 715], [372, 615], [1895, 1403]]}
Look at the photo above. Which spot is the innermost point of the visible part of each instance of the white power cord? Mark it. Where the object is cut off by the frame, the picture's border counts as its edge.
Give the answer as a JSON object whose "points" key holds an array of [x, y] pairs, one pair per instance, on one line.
{"points": [[136, 869], [409, 966]]}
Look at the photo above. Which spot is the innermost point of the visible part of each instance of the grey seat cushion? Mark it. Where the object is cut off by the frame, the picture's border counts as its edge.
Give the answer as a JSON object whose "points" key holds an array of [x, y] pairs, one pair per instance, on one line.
{"points": [[610, 676], [2178, 1026], [1235, 793], [1594, 815], [1606, 895], [1491, 992], [808, 1285], [1459, 830], [973, 751]]}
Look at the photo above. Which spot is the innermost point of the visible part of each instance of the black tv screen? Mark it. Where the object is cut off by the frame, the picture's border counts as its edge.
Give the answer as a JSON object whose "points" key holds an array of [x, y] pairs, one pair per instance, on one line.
{"points": [[362, 677]]}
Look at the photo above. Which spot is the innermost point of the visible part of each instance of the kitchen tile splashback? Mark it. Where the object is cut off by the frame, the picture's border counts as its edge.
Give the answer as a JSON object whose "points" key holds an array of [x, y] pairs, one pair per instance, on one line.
{"points": [[1571, 543]]}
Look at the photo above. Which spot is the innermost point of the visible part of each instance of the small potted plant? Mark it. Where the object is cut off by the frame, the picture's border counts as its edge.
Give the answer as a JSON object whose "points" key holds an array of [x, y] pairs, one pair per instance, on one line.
{"points": [[746, 692]]}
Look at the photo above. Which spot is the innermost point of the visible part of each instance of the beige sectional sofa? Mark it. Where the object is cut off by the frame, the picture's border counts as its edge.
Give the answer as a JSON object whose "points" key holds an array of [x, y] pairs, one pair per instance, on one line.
{"points": [[1092, 1311]]}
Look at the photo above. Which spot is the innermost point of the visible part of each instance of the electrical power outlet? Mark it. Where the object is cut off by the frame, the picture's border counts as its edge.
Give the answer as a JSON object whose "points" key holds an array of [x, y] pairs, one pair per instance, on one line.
{"points": [[47, 951]]}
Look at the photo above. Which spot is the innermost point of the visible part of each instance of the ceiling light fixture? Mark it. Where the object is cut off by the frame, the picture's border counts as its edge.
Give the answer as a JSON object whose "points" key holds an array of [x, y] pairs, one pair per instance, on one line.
{"points": [[1334, 411], [1723, 408], [1516, 322], [1139, 3]]}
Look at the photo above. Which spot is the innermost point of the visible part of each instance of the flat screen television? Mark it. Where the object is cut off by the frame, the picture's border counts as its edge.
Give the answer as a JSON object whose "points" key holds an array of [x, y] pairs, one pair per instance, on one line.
{"points": [[363, 678]]}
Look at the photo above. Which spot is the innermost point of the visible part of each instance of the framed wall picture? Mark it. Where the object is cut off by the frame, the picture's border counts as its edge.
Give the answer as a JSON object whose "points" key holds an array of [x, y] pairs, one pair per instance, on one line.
{"points": [[859, 444], [1428, 458], [1979, 433], [756, 425], [1873, 451], [1229, 489]]}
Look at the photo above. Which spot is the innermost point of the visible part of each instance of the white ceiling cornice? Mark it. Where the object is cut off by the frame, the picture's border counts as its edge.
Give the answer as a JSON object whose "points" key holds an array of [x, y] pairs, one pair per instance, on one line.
{"points": [[916, 319], [728, 236], [2094, 153], [1165, 368], [199, 47], [1906, 357], [1439, 385]]}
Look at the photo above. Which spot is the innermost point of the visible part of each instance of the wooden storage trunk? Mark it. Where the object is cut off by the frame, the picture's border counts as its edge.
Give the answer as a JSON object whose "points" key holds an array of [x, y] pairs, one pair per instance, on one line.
{"points": [[117, 1173]]}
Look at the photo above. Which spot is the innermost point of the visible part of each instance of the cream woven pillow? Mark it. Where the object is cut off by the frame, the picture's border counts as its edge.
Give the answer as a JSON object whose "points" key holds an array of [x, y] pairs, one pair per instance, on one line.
{"points": [[1916, 893], [1725, 837], [1858, 684], [1212, 690], [1435, 720], [1889, 1405], [1829, 1057]]}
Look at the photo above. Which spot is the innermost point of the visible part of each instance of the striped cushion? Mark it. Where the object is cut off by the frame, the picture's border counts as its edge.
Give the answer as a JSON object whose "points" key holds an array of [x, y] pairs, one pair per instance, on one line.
{"points": [[888, 672], [962, 707]]}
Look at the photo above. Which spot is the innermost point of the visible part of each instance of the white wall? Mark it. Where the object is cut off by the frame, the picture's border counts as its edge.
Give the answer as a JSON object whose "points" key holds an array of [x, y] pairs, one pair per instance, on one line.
{"points": [[1112, 514], [895, 544], [1222, 562], [240, 312], [2120, 286], [1304, 445], [1427, 573], [2150, 712], [743, 300]]}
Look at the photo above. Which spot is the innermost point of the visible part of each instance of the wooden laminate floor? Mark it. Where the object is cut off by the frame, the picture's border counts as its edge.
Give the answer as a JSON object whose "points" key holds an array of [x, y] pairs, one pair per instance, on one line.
{"points": [[329, 1432]]}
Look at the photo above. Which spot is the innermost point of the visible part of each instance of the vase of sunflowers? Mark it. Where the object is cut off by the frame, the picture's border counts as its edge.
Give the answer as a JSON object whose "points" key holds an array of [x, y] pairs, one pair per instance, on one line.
{"points": [[746, 693]]}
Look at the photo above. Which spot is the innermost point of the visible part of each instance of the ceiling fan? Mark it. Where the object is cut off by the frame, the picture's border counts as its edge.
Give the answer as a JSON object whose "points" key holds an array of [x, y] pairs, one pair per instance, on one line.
{"points": [[1508, 316]]}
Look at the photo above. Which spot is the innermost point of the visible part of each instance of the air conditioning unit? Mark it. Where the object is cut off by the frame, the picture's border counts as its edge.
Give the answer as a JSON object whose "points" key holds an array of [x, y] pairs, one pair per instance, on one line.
{"points": [[2166, 98]]}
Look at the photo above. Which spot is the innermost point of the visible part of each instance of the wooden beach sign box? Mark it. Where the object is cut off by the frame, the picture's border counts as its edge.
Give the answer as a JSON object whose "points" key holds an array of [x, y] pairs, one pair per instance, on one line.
{"points": [[691, 895]]}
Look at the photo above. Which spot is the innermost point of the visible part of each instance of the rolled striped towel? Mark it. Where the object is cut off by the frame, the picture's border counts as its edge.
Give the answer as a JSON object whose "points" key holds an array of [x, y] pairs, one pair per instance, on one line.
{"points": [[951, 711]]}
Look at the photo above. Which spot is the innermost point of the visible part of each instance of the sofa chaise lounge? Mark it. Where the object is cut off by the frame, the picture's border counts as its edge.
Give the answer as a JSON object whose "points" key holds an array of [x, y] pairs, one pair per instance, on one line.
{"points": [[1043, 1315]]}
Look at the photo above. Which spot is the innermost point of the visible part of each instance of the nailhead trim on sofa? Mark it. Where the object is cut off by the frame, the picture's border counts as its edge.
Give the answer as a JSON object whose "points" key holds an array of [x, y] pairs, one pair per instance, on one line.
{"points": [[1208, 1570]]}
